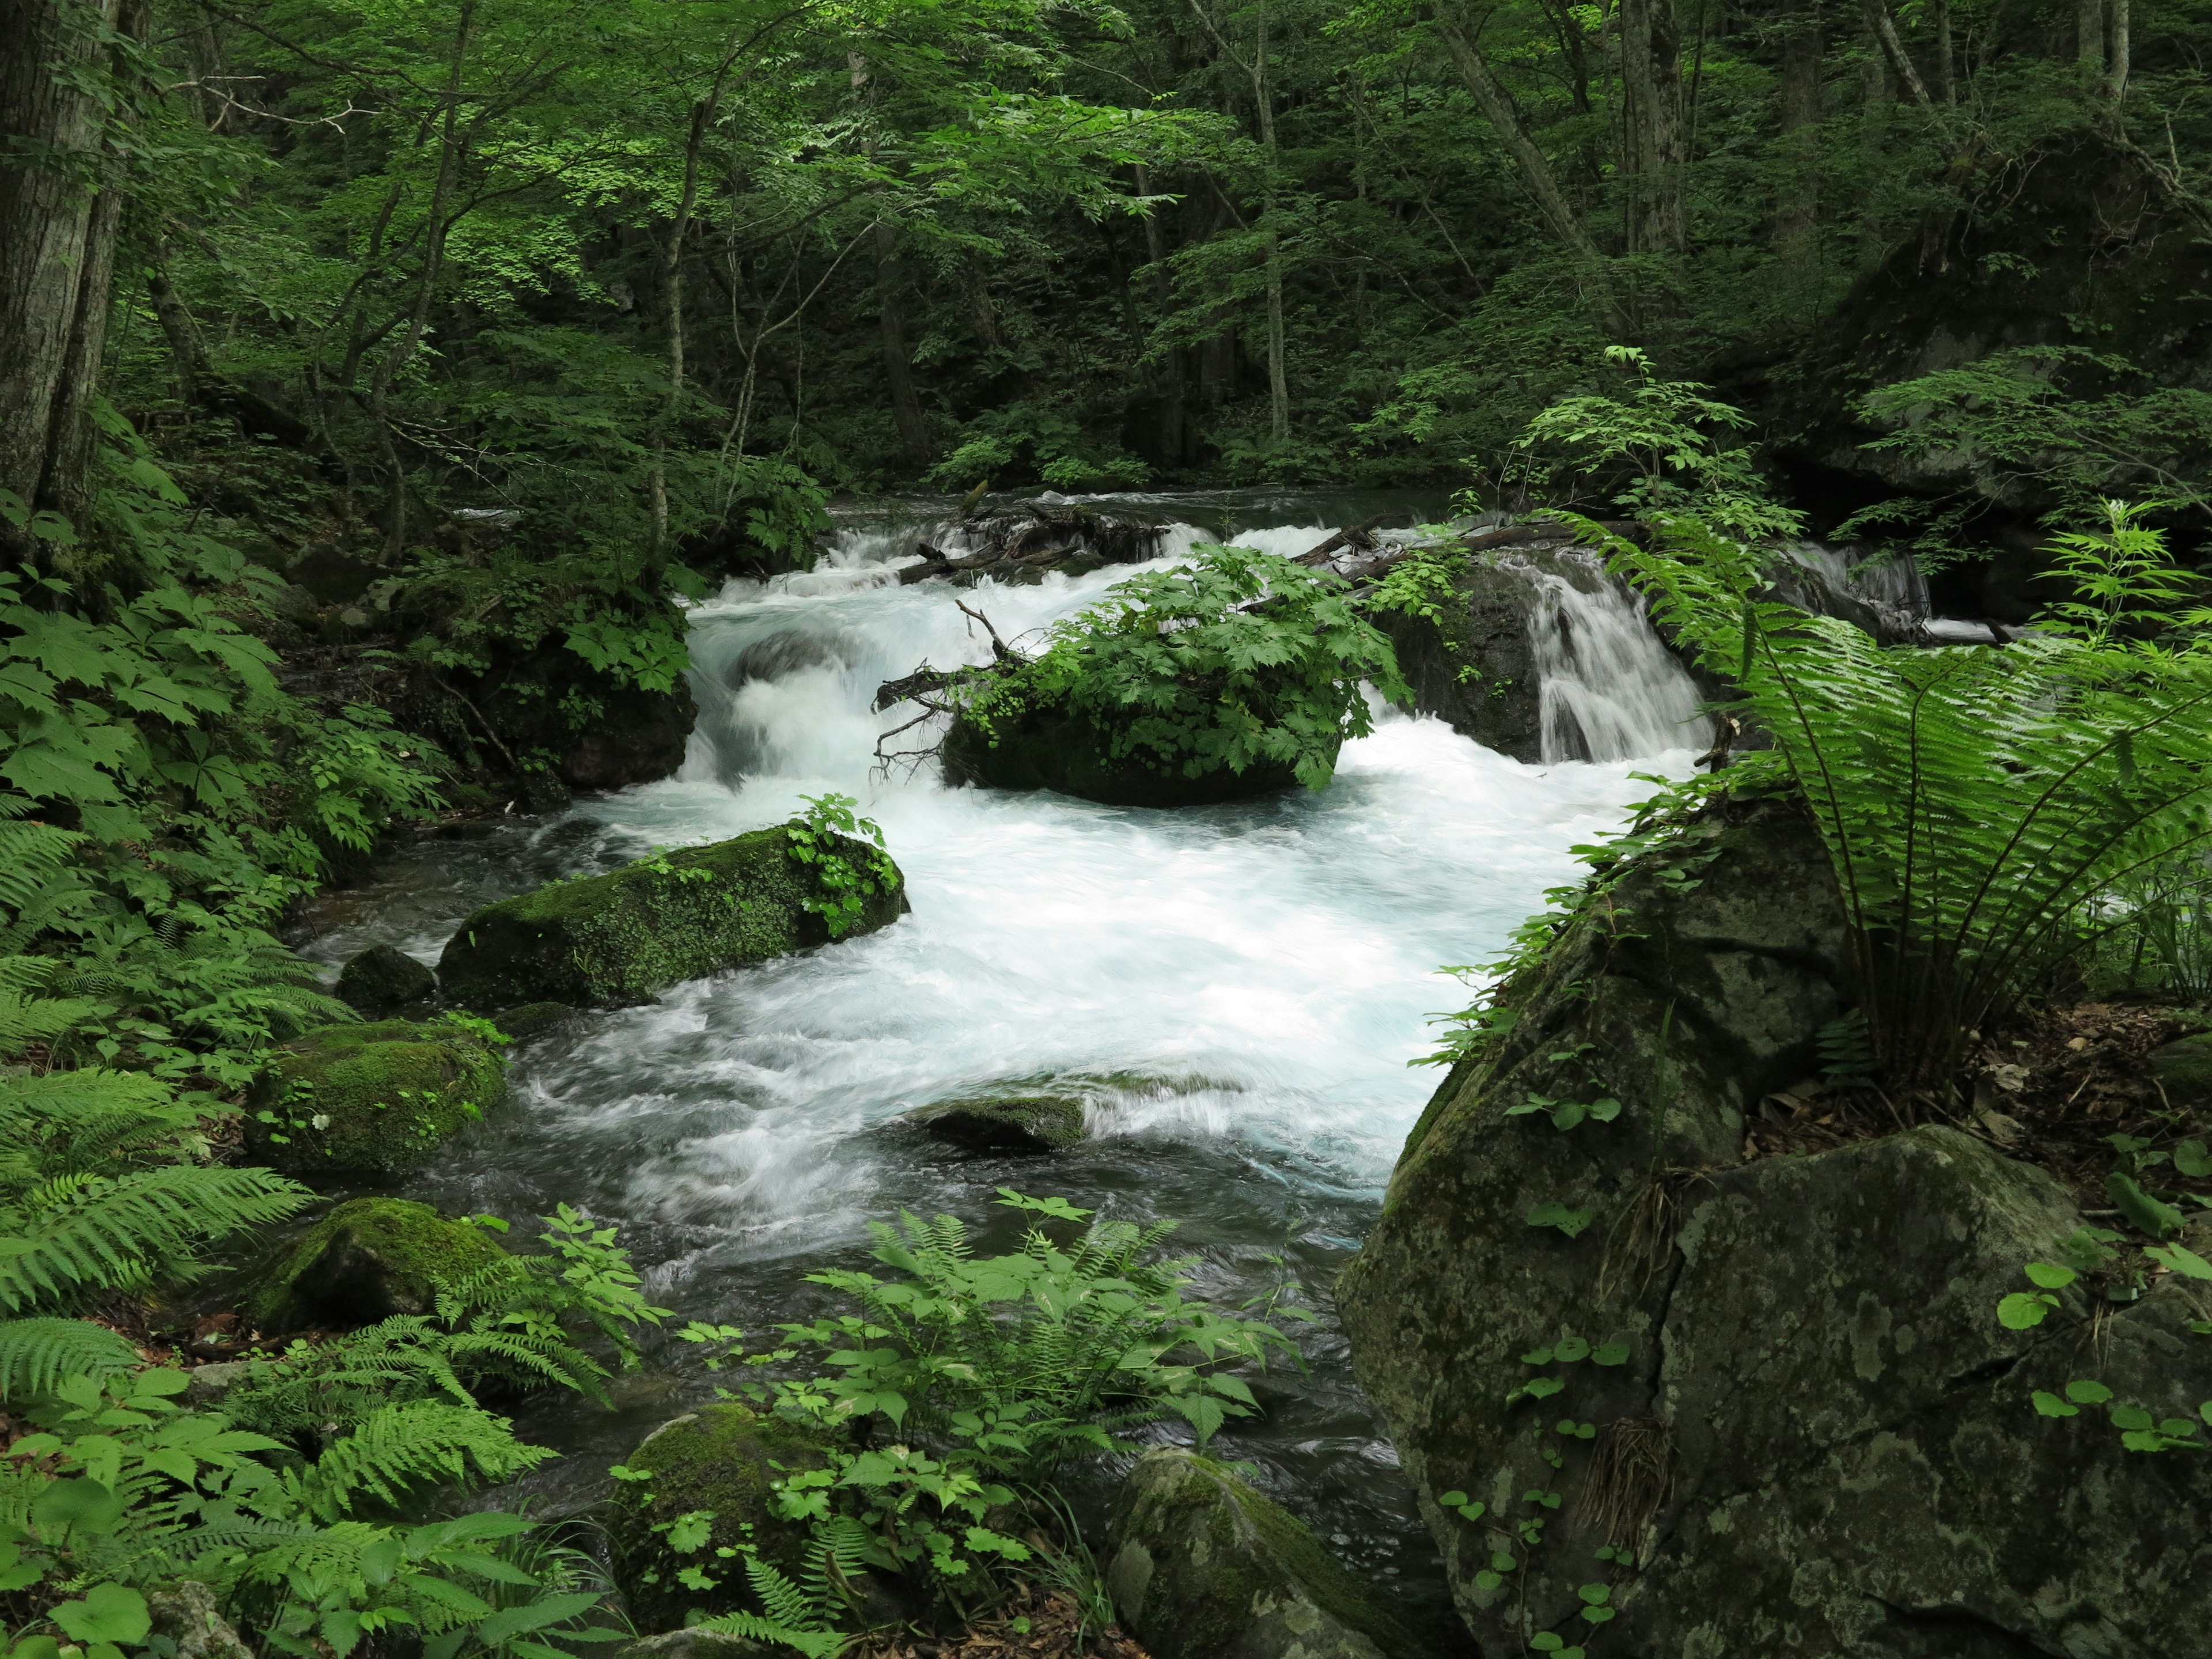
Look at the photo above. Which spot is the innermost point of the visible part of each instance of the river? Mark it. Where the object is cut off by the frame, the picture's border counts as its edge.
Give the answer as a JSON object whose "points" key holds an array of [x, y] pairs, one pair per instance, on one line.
{"points": [[1237, 990]]}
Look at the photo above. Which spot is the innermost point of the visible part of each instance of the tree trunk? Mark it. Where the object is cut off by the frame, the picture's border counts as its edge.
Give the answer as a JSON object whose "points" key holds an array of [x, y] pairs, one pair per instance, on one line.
{"points": [[1171, 373], [1278, 385], [2116, 73], [1797, 213], [56, 251], [915, 448], [1874, 133], [1883, 28], [1497, 107], [1652, 77], [2090, 38]]}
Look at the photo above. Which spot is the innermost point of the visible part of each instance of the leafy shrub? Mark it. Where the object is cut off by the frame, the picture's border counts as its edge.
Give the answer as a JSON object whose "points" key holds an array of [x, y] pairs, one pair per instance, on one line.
{"points": [[819, 836], [1236, 659], [1980, 804]]}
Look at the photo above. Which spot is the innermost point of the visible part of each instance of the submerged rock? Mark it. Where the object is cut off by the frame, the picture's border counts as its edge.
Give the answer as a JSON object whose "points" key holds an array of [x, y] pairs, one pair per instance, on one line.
{"points": [[716, 1461], [370, 1099], [1201, 1566], [1048, 747], [1004, 1123], [1022, 543], [383, 978], [1774, 1394], [624, 937], [368, 1260]]}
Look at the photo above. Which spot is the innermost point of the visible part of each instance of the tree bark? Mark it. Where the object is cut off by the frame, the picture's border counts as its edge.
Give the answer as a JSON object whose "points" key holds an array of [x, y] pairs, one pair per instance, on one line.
{"points": [[915, 448], [2090, 38], [1497, 107], [1797, 213], [1652, 77], [1884, 30], [2116, 72], [1172, 373], [57, 226]]}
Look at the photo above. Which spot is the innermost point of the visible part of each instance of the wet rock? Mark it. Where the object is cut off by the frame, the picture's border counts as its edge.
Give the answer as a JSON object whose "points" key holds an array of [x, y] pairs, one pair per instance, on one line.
{"points": [[534, 1019], [621, 937], [1021, 544], [370, 1099], [1043, 746], [186, 1612], [718, 1461], [368, 1260], [1201, 1566], [205, 1386], [383, 978], [1786, 1395], [1004, 1123]]}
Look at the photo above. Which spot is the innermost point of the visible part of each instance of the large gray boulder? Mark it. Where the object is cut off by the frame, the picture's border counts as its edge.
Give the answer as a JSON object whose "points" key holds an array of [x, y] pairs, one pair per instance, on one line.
{"points": [[1718, 1405], [1201, 1566], [1474, 667]]}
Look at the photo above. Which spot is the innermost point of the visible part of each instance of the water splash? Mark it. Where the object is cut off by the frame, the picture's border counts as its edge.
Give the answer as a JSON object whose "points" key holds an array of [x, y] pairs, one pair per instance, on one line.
{"points": [[1609, 690]]}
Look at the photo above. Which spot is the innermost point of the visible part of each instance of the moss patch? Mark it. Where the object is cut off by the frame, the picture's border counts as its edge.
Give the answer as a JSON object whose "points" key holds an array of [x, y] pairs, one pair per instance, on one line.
{"points": [[623, 937], [719, 1460], [1047, 748], [366, 1261], [370, 1099]]}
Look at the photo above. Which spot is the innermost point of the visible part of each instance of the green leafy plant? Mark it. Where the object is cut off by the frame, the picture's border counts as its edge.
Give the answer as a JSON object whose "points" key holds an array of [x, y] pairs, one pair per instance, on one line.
{"points": [[824, 838], [1236, 660]]}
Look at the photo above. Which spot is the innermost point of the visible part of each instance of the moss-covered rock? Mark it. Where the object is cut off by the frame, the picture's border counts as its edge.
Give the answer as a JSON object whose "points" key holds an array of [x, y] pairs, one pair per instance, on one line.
{"points": [[383, 978], [1045, 746], [717, 1461], [1004, 1123], [1820, 1440], [375, 1099], [369, 1259], [1474, 667], [1201, 1566], [624, 937], [533, 1019]]}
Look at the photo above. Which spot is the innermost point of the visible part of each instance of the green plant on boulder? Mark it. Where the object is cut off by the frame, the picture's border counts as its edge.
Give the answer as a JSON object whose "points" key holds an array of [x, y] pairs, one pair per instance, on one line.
{"points": [[377, 1099], [1231, 676], [1004, 1123], [369, 1259], [625, 937], [693, 1499]]}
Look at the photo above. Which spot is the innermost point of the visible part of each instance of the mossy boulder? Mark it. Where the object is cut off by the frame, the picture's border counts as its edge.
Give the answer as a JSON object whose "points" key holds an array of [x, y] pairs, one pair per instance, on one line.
{"points": [[625, 937], [718, 1459], [375, 1099], [1201, 1566], [1047, 746], [1817, 1438], [369, 1259], [383, 978], [1475, 666], [1004, 1123]]}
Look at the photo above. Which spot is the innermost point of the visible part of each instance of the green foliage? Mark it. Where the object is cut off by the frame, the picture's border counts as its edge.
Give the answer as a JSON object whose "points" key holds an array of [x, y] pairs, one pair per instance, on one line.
{"points": [[1979, 804], [1236, 660], [818, 838], [1655, 446]]}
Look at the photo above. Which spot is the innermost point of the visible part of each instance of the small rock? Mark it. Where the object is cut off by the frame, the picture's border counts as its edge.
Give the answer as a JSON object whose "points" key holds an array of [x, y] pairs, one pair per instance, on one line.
{"points": [[719, 1460], [1010, 1123], [366, 1261], [383, 978], [2184, 1070], [1201, 1566], [206, 1385], [532, 1019], [373, 1099], [185, 1612]]}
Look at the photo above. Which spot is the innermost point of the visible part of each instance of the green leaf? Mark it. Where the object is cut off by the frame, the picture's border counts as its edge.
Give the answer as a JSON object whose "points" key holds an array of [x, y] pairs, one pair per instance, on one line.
{"points": [[2050, 1276], [2049, 1405], [1572, 1349], [2023, 1310], [82, 1505], [1553, 1213], [2180, 1259], [1609, 1353], [1453, 1499], [2190, 1158], [2144, 1212], [2084, 1392], [108, 1612]]}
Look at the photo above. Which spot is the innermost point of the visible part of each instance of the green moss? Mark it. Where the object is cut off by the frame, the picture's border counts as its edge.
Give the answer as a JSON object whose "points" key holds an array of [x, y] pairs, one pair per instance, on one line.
{"points": [[1047, 748], [378, 1098], [366, 1261], [623, 937], [719, 1460]]}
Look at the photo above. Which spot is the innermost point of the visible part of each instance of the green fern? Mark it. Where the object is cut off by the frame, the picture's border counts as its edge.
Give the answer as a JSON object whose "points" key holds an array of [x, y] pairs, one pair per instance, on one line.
{"points": [[36, 1354], [402, 1449]]}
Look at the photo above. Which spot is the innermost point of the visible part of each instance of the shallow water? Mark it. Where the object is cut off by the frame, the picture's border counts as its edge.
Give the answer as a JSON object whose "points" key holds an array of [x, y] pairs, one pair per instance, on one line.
{"points": [[1237, 990]]}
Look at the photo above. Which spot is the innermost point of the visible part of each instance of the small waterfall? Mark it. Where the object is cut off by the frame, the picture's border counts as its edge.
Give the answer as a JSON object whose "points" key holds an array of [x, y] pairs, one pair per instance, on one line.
{"points": [[1609, 690]]}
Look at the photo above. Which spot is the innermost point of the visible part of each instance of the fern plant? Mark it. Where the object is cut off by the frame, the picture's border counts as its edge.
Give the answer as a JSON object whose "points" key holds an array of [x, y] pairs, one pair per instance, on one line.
{"points": [[1980, 804]]}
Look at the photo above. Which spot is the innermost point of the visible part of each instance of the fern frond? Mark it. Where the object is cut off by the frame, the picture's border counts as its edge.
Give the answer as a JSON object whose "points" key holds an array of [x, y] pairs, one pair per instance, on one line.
{"points": [[402, 1448], [36, 1354]]}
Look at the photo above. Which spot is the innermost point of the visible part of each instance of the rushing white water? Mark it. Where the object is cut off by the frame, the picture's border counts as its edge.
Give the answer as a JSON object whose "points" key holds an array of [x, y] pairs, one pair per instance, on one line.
{"points": [[1236, 991], [1608, 690]]}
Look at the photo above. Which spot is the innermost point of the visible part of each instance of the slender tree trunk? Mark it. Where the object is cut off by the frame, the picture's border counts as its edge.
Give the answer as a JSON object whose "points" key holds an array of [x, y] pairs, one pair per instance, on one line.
{"points": [[1874, 133], [1797, 214], [915, 448], [58, 230], [1651, 73], [2090, 38], [186, 354], [1175, 370], [1263, 102], [1497, 107], [388, 367], [1946, 67], [1884, 30], [2116, 72], [672, 303]]}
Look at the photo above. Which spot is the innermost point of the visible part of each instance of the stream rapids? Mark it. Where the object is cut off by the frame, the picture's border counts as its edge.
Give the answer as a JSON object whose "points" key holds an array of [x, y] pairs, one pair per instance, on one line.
{"points": [[1238, 989]]}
